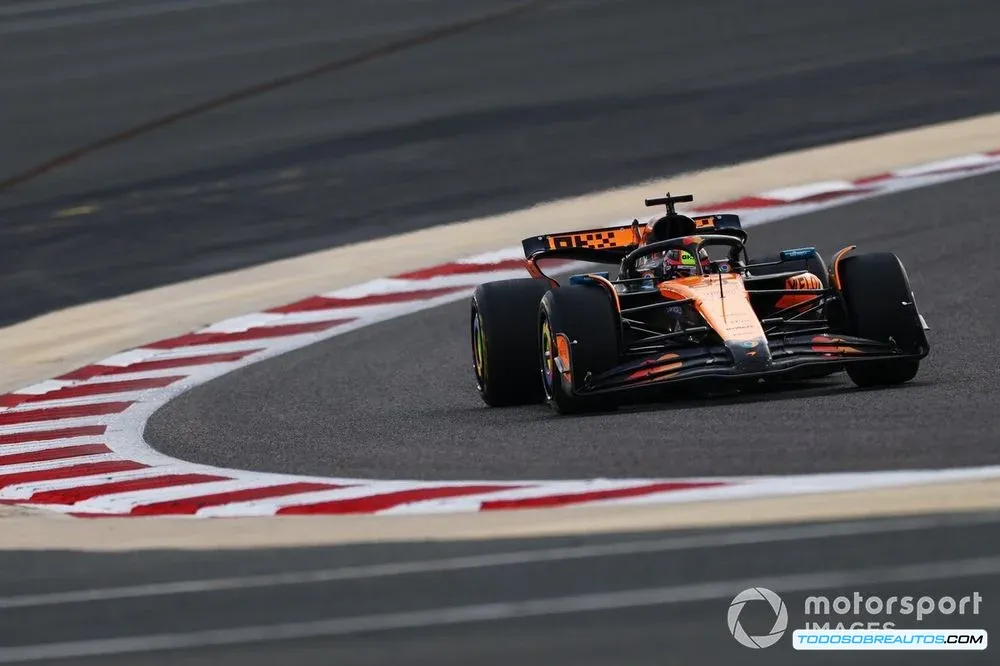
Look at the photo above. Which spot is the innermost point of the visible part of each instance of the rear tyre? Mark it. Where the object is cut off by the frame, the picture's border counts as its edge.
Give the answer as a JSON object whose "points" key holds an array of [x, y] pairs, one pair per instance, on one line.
{"points": [[879, 305], [504, 316], [588, 319]]}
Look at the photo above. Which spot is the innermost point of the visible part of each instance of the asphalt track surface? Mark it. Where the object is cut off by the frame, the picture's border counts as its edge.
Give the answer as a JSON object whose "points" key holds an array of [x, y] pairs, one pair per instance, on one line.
{"points": [[398, 400], [570, 97], [611, 599]]}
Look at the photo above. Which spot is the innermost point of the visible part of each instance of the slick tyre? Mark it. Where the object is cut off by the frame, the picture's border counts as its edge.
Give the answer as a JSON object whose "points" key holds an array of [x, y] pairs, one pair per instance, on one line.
{"points": [[503, 325], [586, 320], [879, 305]]}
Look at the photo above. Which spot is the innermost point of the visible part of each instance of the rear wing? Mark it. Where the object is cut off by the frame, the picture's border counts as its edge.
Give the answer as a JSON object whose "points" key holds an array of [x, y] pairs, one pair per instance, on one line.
{"points": [[609, 245], [604, 244]]}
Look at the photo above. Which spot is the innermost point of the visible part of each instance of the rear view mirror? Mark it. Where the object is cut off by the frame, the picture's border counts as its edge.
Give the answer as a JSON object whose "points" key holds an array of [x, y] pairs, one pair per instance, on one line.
{"points": [[798, 253]]}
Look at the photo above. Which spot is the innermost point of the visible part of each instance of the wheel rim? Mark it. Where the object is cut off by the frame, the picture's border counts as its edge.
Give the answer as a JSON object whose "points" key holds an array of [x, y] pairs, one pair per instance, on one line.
{"points": [[548, 359], [478, 350]]}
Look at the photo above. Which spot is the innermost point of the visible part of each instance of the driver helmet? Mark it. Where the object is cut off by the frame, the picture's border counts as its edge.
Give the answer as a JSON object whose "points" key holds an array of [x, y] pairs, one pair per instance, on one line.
{"points": [[681, 263], [674, 263]]}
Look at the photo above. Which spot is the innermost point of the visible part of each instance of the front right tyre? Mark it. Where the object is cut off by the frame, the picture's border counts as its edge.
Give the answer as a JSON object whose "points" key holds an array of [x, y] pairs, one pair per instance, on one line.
{"points": [[879, 305]]}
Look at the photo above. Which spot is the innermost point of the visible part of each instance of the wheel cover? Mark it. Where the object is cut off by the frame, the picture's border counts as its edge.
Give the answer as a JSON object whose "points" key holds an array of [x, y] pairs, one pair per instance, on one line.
{"points": [[548, 359], [479, 350]]}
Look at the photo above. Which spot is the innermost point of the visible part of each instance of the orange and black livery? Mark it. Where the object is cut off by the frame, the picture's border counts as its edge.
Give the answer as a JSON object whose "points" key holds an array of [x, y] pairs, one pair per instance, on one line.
{"points": [[684, 307]]}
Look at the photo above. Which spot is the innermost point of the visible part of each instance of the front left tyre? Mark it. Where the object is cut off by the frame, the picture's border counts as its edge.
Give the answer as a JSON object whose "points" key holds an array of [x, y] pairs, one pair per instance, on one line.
{"points": [[504, 319]]}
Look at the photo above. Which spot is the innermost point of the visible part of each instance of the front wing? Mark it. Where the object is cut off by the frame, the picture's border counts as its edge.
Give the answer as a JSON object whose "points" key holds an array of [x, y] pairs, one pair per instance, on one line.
{"points": [[786, 355]]}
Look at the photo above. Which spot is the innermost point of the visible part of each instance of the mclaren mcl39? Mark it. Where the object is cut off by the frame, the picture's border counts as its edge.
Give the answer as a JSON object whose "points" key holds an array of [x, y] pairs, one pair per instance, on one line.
{"points": [[688, 309]]}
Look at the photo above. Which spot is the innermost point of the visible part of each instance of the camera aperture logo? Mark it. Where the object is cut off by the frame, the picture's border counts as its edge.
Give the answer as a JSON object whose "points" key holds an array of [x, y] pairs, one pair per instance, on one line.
{"points": [[780, 617]]}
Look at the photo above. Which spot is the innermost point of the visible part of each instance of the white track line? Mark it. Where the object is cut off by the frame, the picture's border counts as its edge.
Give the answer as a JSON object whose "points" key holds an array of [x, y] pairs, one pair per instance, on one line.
{"points": [[507, 610], [745, 537]]}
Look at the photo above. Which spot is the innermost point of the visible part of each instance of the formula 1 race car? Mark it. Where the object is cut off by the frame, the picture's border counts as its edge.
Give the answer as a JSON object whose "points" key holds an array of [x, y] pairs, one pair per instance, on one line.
{"points": [[688, 308]]}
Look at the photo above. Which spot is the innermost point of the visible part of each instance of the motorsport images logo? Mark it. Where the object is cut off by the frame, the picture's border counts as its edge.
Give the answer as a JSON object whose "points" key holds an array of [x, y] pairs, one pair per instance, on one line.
{"points": [[878, 635], [780, 617]]}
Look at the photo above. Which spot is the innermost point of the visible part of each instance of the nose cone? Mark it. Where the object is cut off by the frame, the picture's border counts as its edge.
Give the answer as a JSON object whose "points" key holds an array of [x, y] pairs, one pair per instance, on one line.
{"points": [[750, 355]]}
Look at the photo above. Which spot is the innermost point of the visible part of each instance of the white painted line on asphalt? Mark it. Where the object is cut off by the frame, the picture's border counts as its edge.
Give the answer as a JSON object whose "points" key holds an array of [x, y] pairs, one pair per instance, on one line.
{"points": [[71, 13], [58, 463], [670, 544], [499, 611], [24, 491]]}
